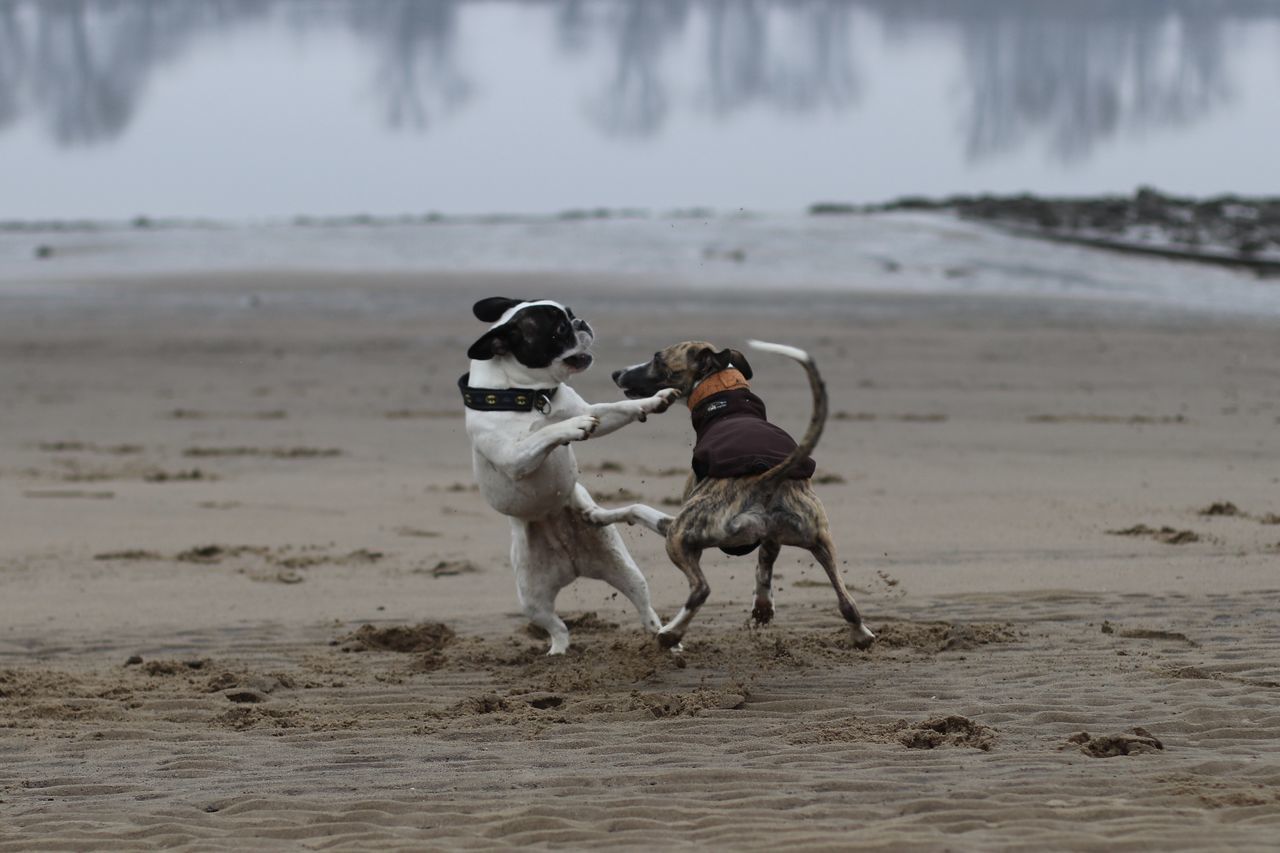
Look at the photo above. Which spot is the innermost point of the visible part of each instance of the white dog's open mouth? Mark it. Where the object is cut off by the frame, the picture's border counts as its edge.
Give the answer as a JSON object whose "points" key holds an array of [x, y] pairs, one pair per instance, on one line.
{"points": [[579, 361]]}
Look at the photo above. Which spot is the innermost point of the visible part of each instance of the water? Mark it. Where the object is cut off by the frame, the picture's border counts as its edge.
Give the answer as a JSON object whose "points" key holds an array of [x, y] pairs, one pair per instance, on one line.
{"points": [[823, 261], [267, 109]]}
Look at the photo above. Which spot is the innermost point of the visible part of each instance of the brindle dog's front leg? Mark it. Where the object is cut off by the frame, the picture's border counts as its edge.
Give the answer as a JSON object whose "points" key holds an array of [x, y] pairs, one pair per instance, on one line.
{"points": [[686, 559]]}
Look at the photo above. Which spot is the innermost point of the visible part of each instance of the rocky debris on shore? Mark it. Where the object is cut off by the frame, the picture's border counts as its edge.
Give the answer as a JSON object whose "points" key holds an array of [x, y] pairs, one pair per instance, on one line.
{"points": [[1225, 229]]}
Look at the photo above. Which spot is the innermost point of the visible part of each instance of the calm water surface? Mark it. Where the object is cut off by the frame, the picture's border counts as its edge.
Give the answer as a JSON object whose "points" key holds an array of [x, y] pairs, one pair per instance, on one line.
{"points": [[251, 109]]}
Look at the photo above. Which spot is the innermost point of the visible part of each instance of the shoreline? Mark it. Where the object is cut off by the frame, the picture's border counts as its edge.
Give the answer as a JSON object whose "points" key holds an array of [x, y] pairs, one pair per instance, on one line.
{"points": [[248, 290]]}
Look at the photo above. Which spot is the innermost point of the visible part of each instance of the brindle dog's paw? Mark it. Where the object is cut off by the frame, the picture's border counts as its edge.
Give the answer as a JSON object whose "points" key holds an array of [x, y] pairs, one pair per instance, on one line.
{"points": [[668, 639], [762, 613], [863, 639]]}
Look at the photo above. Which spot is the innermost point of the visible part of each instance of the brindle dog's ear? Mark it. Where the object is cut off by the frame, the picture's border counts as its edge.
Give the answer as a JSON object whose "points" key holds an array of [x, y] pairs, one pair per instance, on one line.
{"points": [[709, 361], [738, 360], [491, 309], [492, 343], [731, 357], [703, 361]]}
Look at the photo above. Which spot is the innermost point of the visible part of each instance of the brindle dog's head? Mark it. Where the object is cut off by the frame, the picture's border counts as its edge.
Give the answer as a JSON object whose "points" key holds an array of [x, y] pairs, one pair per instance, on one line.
{"points": [[681, 367]]}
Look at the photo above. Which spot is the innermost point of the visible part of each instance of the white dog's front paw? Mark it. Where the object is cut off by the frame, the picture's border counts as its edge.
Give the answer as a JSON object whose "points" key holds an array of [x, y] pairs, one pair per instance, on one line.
{"points": [[658, 403], [579, 428]]}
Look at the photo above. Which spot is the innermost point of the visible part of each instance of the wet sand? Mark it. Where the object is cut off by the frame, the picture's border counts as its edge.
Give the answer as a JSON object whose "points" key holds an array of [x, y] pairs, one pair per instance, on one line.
{"points": [[208, 485]]}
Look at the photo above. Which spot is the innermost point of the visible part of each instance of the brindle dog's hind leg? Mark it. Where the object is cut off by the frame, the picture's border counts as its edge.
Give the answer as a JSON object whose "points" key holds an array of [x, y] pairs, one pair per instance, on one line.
{"points": [[686, 559], [763, 611], [824, 550]]}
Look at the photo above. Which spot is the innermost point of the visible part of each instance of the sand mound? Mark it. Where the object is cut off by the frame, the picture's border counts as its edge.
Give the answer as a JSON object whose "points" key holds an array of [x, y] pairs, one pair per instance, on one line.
{"points": [[686, 704], [951, 730], [426, 637], [944, 636], [217, 553], [228, 680], [451, 568], [173, 667], [129, 555], [1167, 535], [1135, 742]]}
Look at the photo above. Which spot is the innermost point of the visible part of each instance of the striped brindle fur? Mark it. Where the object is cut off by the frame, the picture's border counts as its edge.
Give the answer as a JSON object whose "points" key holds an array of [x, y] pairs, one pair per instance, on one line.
{"points": [[769, 508]]}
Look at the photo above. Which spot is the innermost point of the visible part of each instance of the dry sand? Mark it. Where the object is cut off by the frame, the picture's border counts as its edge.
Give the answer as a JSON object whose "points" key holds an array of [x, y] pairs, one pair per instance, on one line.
{"points": [[209, 485]]}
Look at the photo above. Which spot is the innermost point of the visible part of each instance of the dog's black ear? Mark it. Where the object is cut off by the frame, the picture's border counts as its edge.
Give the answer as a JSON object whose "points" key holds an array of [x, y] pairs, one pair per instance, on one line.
{"points": [[707, 361], [492, 343], [489, 310], [727, 357], [738, 360]]}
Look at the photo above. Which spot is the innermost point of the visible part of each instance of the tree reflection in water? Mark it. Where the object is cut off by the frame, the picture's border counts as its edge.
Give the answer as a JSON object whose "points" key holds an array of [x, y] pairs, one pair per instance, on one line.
{"points": [[417, 77], [1081, 72], [1073, 74]]}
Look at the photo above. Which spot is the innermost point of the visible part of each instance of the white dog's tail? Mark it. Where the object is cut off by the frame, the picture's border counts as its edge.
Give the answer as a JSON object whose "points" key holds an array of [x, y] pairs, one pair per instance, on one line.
{"points": [[816, 422]]}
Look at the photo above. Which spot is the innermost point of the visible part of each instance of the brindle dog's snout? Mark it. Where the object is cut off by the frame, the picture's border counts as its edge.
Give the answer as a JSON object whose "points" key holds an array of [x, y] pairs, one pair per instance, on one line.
{"points": [[617, 374]]}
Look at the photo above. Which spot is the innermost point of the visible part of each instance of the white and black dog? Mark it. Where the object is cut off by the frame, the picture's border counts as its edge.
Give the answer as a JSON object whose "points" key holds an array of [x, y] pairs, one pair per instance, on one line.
{"points": [[521, 417]]}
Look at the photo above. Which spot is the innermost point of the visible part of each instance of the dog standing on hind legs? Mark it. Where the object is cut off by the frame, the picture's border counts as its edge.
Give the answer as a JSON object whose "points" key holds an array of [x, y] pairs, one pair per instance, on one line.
{"points": [[521, 419], [750, 484]]}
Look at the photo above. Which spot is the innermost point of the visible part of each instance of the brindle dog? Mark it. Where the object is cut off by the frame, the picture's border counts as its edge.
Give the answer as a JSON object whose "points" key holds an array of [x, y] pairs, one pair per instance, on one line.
{"points": [[770, 508]]}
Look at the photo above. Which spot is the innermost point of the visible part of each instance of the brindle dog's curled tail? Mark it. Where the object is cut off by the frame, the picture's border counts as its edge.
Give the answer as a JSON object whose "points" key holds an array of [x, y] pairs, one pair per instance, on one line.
{"points": [[816, 422]]}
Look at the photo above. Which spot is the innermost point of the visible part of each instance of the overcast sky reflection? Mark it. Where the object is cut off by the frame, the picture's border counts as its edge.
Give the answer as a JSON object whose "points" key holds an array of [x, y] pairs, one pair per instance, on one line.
{"points": [[267, 108]]}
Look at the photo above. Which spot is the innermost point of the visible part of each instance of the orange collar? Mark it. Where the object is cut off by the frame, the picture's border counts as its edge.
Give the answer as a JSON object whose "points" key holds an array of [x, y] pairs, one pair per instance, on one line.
{"points": [[726, 380]]}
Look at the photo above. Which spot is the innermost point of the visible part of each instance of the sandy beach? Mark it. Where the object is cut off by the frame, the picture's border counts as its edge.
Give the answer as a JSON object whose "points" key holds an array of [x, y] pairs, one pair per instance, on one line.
{"points": [[1061, 517]]}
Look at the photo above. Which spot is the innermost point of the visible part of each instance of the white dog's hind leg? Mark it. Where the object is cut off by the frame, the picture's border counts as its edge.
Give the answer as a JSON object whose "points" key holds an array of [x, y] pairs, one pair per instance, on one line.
{"points": [[540, 610], [606, 558], [537, 585], [645, 516]]}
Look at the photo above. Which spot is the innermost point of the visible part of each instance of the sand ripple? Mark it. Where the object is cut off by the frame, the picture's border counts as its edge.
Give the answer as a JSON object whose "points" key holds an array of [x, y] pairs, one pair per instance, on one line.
{"points": [[753, 739]]}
